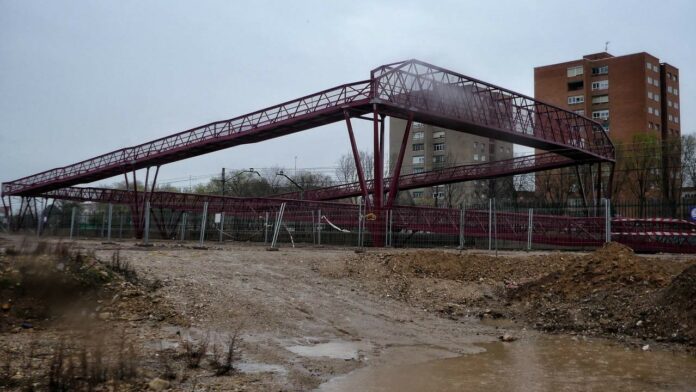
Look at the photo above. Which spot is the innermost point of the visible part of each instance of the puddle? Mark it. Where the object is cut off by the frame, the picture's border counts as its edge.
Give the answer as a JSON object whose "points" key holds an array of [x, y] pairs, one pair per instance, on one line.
{"points": [[252, 367], [543, 363], [337, 349]]}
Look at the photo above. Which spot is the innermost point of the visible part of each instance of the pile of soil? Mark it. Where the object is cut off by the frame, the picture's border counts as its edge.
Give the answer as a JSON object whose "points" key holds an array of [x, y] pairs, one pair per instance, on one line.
{"points": [[609, 292]]}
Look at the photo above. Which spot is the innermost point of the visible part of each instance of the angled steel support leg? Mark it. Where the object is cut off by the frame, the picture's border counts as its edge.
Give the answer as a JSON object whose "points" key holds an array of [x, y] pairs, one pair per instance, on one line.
{"points": [[394, 185], [356, 156]]}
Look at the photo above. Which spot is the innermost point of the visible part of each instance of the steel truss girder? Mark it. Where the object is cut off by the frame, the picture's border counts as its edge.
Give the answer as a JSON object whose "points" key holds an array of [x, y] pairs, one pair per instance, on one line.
{"points": [[468, 172], [428, 93]]}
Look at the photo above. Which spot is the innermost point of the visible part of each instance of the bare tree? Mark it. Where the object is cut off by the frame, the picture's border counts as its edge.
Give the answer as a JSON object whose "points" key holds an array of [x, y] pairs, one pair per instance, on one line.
{"points": [[642, 165], [688, 159], [347, 171]]}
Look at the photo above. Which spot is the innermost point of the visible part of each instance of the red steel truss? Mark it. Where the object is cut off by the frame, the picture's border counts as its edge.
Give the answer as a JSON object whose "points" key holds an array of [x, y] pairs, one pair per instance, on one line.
{"points": [[479, 171], [410, 89]]}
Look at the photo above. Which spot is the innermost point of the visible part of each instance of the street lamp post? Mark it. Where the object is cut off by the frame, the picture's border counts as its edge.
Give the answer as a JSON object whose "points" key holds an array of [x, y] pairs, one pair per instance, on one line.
{"points": [[281, 173]]}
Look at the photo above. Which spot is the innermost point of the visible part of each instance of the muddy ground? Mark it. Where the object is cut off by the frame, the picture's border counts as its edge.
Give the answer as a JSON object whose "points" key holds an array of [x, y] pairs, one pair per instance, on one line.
{"points": [[306, 315]]}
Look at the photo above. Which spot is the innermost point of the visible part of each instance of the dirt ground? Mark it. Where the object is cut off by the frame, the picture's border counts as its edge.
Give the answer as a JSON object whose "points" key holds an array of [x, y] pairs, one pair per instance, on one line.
{"points": [[306, 315]]}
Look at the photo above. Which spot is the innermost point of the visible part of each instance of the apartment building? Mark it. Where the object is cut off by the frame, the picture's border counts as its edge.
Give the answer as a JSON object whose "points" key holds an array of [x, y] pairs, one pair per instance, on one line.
{"points": [[434, 148], [630, 94]]}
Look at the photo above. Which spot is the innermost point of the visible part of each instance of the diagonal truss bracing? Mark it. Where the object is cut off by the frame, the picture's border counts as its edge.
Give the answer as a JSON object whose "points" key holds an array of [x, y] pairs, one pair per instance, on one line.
{"points": [[409, 89]]}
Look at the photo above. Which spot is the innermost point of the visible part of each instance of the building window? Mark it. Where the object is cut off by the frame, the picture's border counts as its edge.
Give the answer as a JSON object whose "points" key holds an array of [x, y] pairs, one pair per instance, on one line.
{"points": [[669, 103], [439, 147], [438, 134], [648, 65], [603, 70], [439, 159], [580, 112], [599, 99], [650, 110], [577, 85], [575, 71], [476, 157], [420, 135], [483, 157], [676, 119], [417, 194], [600, 114], [669, 89], [576, 99], [657, 112], [418, 159], [676, 105], [419, 147], [656, 83], [670, 117], [650, 95], [417, 170], [650, 80], [600, 85], [657, 97], [417, 125], [676, 91], [656, 68], [650, 125]]}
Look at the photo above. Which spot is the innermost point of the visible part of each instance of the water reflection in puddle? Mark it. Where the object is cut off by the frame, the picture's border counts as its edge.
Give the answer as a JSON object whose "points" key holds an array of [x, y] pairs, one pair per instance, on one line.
{"points": [[536, 364], [338, 350]]}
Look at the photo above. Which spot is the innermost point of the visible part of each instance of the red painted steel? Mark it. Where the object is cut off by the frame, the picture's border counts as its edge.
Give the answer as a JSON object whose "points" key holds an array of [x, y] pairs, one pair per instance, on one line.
{"points": [[468, 172], [429, 93], [643, 235]]}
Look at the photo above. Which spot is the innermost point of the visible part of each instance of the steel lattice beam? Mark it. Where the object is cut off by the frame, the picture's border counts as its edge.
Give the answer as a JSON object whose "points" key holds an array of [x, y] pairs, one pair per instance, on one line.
{"points": [[412, 88]]}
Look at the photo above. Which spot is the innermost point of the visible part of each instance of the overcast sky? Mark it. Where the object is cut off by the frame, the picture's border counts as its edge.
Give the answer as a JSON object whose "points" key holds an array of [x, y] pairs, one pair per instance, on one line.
{"points": [[81, 78]]}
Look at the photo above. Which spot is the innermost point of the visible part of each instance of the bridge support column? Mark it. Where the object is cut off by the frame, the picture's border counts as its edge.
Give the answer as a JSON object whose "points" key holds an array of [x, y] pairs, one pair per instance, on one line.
{"points": [[394, 184], [356, 157]]}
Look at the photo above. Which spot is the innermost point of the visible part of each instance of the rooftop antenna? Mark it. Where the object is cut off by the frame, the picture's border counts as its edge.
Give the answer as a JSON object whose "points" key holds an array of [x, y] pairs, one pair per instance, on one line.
{"points": [[606, 46]]}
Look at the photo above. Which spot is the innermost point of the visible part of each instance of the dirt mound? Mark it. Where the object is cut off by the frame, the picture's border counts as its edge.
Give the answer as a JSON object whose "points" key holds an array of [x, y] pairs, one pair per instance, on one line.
{"points": [[613, 291], [611, 269], [468, 266]]}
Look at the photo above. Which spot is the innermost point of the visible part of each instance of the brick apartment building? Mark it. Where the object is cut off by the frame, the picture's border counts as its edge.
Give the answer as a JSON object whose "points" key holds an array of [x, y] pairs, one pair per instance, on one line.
{"points": [[433, 148], [630, 95]]}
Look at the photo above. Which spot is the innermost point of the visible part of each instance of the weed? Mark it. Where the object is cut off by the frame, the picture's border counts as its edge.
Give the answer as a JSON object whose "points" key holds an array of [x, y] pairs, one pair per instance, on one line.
{"points": [[224, 364], [122, 267], [194, 352]]}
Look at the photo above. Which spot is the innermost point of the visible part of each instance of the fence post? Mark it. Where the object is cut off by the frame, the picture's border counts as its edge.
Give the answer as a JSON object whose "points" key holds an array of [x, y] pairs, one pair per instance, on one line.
{"points": [[120, 225], [183, 226], [607, 220], [276, 229], [495, 225], [222, 225], [360, 224], [530, 226], [265, 229], [146, 232], [461, 226], [319, 227], [203, 221], [490, 224], [38, 221], [108, 222], [72, 222]]}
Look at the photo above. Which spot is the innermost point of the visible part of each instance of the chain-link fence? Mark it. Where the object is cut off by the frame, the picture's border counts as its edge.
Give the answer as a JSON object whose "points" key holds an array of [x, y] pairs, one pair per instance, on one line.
{"points": [[490, 224]]}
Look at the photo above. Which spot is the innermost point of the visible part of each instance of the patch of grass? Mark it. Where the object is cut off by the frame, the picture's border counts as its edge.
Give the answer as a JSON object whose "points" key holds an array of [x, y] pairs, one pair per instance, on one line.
{"points": [[223, 363]]}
